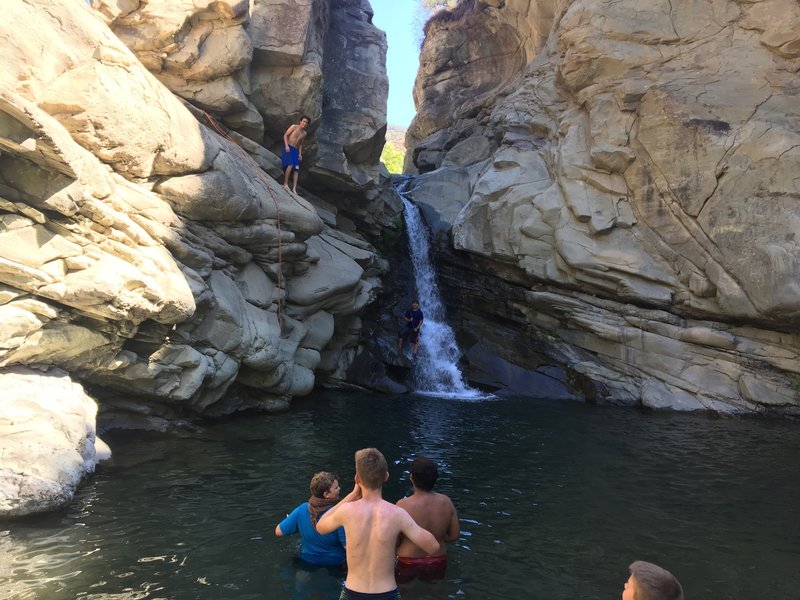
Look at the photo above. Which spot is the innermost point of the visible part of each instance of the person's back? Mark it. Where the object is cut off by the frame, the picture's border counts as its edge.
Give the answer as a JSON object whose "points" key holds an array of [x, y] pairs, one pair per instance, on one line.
{"points": [[372, 526], [431, 511], [376, 525], [434, 512]]}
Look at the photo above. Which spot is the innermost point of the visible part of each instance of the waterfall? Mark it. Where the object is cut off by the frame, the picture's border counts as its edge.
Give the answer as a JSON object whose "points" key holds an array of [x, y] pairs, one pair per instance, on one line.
{"points": [[436, 371]]}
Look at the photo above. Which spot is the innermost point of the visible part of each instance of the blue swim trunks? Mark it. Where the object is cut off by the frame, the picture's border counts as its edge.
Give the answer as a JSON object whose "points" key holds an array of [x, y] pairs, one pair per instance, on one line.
{"points": [[290, 158]]}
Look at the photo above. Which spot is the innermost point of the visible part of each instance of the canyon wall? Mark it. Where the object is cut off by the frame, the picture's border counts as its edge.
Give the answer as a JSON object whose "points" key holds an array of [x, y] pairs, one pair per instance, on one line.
{"points": [[611, 186], [150, 263], [617, 185]]}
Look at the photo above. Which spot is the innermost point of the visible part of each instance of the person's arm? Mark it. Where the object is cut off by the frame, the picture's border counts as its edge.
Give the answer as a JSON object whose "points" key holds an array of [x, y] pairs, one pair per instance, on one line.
{"points": [[400, 503], [422, 538], [342, 537], [286, 137], [419, 326], [289, 525], [454, 529], [331, 520], [300, 149]]}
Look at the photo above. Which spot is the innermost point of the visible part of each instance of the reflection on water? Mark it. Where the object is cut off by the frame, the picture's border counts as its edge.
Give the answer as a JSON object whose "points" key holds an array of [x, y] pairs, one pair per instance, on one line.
{"points": [[555, 500]]}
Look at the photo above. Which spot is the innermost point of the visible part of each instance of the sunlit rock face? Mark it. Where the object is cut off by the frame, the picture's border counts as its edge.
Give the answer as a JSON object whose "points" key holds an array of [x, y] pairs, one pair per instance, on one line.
{"points": [[147, 255], [47, 440], [634, 187], [286, 73], [260, 65], [354, 98], [471, 55], [199, 49]]}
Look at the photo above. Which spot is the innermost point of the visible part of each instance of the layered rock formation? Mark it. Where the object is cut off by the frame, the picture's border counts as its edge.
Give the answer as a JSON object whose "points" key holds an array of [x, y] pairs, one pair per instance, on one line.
{"points": [[632, 186], [146, 252], [612, 186]]}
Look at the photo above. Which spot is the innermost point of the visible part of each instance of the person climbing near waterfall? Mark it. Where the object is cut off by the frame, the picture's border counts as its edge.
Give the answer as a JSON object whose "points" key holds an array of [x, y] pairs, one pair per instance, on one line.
{"points": [[315, 548], [292, 154], [410, 332]]}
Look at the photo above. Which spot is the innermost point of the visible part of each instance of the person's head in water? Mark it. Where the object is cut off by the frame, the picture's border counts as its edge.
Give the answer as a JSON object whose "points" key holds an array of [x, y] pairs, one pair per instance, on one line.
{"points": [[650, 582], [424, 473], [371, 468], [325, 485]]}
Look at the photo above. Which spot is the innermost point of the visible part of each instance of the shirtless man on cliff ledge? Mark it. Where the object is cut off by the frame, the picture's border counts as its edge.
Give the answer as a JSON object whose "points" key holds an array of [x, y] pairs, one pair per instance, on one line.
{"points": [[292, 154], [372, 526]]}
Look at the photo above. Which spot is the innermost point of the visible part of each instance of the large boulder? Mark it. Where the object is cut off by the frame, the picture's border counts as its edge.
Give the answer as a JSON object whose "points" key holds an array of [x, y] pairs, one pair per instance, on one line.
{"points": [[352, 130], [470, 54], [145, 247], [198, 49], [47, 440], [286, 74]]}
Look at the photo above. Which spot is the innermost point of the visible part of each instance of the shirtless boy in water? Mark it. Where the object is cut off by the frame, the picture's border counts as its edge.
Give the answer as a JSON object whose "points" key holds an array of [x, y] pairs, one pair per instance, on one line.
{"points": [[434, 512], [292, 153], [372, 527]]}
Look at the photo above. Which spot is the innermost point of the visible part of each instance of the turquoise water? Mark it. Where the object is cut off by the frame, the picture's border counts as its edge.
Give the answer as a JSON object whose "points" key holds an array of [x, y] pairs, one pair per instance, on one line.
{"points": [[555, 500]]}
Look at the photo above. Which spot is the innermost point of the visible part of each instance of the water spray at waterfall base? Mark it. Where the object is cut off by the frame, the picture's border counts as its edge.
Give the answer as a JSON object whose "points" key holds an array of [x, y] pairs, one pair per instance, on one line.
{"points": [[436, 372]]}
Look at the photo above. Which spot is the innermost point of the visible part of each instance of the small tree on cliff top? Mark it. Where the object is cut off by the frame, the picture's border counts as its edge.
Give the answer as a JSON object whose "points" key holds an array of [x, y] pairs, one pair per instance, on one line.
{"points": [[434, 5]]}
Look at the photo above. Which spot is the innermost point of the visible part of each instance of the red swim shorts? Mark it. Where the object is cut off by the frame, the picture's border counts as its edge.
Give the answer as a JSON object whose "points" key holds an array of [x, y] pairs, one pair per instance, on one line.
{"points": [[426, 568]]}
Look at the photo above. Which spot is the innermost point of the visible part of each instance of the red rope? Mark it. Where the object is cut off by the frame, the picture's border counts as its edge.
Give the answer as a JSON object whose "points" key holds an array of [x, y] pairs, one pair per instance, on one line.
{"points": [[260, 173]]}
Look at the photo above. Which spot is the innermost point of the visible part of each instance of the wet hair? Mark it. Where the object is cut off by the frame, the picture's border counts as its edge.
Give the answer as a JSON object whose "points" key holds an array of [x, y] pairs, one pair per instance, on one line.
{"points": [[415, 302], [424, 472], [371, 468], [321, 482], [306, 117], [654, 583]]}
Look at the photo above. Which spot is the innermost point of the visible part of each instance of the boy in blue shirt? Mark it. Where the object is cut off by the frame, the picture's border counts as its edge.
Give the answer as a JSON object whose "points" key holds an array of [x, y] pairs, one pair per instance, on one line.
{"points": [[316, 548]]}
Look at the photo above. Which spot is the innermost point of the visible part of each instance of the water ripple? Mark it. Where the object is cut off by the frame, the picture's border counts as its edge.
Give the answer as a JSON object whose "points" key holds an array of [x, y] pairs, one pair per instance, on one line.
{"points": [[554, 501]]}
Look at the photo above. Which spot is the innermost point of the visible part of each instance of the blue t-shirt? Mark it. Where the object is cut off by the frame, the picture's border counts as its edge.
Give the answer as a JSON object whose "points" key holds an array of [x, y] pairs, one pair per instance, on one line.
{"points": [[416, 317], [315, 548]]}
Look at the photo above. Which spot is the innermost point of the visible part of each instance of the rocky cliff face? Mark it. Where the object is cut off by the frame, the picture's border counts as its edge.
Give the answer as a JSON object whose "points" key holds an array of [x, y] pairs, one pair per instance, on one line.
{"points": [[613, 186], [147, 255], [628, 172]]}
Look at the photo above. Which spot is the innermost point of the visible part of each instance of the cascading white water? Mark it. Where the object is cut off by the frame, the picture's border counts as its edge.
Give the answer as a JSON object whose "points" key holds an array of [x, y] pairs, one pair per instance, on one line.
{"points": [[436, 371]]}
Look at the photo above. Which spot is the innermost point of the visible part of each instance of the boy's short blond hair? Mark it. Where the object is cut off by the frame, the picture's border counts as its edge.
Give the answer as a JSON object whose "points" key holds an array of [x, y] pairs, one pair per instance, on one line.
{"points": [[371, 468]]}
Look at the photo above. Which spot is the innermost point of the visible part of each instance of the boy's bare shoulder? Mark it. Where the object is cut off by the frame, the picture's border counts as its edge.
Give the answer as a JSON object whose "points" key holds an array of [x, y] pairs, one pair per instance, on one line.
{"points": [[394, 510], [444, 498]]}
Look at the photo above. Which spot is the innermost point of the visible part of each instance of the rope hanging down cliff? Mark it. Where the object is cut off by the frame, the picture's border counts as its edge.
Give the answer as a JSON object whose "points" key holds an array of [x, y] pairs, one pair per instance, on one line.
{"points": [[261, 175]]}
